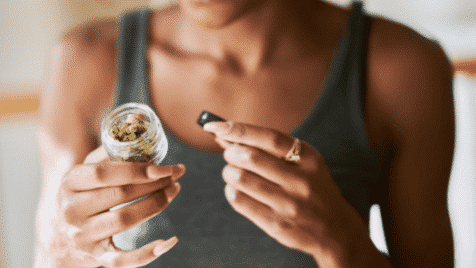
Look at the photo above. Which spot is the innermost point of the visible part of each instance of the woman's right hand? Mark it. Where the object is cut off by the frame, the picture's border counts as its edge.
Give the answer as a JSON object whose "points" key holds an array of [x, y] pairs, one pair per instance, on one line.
{"points": [[84, 225]]}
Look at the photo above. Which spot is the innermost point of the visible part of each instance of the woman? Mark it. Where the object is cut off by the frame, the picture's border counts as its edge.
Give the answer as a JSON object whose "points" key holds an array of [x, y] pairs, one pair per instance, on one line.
{"points": [[370, 100]]}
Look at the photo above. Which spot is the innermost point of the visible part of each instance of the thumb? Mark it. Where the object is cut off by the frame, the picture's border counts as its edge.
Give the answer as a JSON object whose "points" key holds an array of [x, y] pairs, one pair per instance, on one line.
{"points": [[96, 156]]}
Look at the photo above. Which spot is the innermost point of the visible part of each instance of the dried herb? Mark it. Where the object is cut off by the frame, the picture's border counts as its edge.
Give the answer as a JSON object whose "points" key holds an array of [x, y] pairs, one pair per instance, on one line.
{"points": [[130, 131]]}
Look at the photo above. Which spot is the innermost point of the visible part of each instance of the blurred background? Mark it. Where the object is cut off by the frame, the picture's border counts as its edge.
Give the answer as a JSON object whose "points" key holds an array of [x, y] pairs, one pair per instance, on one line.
{"points": [[29, 28]]}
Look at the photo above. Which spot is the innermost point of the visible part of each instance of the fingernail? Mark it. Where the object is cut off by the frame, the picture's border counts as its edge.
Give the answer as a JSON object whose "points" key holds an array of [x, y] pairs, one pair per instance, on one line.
{"points": [[230, 192], [130, 118], [232, 173], [237, 151], [179, 170], [217, 127], [156, 172], [172, 191], [164, 246]]}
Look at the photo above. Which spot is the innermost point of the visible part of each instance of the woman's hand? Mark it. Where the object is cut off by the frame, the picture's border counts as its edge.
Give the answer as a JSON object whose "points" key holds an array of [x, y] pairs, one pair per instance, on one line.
{"points": [[83, 224], [297, 203]]}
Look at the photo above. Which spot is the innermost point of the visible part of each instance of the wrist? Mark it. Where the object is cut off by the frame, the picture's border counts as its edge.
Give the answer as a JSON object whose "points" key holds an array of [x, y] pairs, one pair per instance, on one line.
{"points": [[47, 259], [358, 254], [357, 251]]}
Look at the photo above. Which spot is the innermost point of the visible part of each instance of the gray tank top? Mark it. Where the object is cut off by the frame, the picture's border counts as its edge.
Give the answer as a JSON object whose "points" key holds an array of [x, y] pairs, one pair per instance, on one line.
{"points": [[211, 234]]}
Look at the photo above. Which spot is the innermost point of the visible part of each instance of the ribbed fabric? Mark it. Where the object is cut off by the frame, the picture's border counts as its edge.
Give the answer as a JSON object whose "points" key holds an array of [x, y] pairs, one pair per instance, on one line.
{"points": [[211, 234]]}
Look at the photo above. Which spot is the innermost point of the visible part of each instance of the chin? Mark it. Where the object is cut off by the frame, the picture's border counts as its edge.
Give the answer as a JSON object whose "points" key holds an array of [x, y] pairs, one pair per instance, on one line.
{"points": [[215, 14]]}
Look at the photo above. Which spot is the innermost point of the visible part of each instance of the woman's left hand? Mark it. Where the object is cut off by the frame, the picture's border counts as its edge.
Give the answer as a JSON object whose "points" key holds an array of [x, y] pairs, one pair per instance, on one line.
{"points": [[297, 203]]}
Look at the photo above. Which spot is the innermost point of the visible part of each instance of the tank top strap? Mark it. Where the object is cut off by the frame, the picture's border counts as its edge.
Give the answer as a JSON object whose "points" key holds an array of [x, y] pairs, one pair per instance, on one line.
{"points": [[345, 78], [357, 71], [133, 65], [348, 51]]}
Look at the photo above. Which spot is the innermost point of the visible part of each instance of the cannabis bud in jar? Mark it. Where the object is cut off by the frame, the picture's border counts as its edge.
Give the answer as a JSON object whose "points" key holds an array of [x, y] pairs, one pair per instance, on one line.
{"points": [[132, 129], [134, 133]]}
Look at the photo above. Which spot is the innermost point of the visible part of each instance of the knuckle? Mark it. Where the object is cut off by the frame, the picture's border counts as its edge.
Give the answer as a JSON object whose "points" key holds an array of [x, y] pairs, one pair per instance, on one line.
{"points": [[99, 172], [284, 225], [75, 234], [237, 129], [116, 263], [122, 192], [71, 176], [315, 158], [313, 155], [292, 209], [312, 170], [264, 187], [69, 210], [117, 193], [305, 190], [275, 140], [70, 215], [252, 156], [124, 219], [279, 225], [301, 187], [156, 199], [134, 169]]}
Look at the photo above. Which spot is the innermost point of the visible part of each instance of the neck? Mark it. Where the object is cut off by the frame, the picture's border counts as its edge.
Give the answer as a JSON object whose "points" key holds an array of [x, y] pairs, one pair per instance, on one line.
{"points": [[249, 43]]}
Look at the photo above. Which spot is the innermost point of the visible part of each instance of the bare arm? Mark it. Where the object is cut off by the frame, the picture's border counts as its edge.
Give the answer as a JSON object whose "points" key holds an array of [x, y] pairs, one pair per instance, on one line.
{"points": [[74, 224], [412, 92], [65, 138]]}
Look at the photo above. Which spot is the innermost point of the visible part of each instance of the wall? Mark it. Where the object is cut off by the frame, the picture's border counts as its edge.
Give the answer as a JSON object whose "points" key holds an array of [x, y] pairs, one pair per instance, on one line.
{"points": [[453, 22], [28, 29], [20, 177], [462, 188]]}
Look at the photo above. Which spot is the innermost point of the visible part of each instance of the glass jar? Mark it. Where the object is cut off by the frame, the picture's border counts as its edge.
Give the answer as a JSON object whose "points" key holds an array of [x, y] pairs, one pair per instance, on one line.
{"points": [[151, 146]]}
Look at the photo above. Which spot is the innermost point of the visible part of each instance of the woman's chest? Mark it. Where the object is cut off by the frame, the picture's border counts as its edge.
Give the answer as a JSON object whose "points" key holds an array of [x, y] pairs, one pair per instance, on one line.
{"points": [[280, 98], [277, 97]]}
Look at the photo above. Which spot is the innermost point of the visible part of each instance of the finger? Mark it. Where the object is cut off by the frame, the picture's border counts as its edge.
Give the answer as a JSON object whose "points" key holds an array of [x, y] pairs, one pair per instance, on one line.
{"points": [[89, 203], [260, 189], [262, 215], [223, 143], [289, 176], [113, 222], [282, 228], [138, 257], [107, 174], [269, 140], [130, 118], [96, 156]]}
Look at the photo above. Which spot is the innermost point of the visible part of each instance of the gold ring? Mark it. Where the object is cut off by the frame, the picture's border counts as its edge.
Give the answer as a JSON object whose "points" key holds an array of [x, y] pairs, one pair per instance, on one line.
{"points": [[293, 154]]}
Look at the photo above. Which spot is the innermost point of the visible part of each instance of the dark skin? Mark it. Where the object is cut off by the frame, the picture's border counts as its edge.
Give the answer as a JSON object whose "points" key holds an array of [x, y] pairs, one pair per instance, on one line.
{"points": [[197, 63]]}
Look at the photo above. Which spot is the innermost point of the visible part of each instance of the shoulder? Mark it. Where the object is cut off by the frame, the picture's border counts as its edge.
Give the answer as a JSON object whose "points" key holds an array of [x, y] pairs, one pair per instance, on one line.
{"points": [[400, 58], [92, 42], [93, 33], [397, 51], [409, 79], [82, 71], [85, 58]]}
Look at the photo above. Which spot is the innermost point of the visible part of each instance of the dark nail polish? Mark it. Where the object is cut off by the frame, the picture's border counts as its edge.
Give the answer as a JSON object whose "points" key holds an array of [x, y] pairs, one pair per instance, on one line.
{"points": [[207, 117]]}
